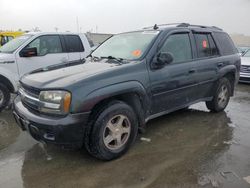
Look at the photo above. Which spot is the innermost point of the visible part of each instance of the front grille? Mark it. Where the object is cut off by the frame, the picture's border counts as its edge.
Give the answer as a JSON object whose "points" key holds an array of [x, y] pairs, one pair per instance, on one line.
{"points": [[245, 79], [30, 90], [30, 106], [29, 97], [245, 69]]}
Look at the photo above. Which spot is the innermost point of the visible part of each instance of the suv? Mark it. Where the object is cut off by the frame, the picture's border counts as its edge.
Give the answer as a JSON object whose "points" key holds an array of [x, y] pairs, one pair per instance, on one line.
{"points": [[128, 80], [32, 51], [245, 67]]}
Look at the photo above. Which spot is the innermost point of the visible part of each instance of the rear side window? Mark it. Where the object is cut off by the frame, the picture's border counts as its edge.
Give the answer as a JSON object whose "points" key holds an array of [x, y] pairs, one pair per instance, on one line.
{"points": [[226, 44], [179, 46], [73, 43], [213, 48], [205, 45]]}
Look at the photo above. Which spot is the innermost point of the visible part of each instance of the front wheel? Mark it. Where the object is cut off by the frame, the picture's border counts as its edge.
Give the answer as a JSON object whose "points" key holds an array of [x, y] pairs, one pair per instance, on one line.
{"points": [[221, 96], [4, 96], [113, 132]]}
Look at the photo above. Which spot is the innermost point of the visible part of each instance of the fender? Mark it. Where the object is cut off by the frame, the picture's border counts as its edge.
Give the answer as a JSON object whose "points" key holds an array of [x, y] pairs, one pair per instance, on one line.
{"points": [[110, 91], [227, 69], [10, 77], [231, 69]]}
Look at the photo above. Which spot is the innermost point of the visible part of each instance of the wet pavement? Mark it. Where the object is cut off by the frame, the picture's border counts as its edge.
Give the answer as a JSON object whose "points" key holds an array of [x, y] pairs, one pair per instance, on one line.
{"points": [[191, 148]]}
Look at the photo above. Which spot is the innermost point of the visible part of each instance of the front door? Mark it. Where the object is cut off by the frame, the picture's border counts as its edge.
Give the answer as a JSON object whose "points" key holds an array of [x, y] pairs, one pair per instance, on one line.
{"points": [[49, 52], [172, 85]]}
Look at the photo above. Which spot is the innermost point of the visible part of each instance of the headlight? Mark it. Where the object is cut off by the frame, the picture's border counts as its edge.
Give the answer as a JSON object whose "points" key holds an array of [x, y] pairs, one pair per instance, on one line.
{"points": [[55, 102]]}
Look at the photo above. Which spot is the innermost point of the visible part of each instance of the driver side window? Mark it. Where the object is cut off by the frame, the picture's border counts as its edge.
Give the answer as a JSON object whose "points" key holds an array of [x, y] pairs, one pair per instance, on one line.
{"points": [[46, 45], [178, 45]]}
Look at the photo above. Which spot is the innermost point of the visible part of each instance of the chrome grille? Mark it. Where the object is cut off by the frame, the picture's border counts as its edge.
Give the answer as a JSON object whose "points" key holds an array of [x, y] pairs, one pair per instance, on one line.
{"points": [[29, 98], [30, 90], [245, 69]]}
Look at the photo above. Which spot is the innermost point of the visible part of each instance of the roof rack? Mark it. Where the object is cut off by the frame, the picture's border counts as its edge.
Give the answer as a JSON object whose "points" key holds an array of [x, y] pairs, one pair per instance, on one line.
{"points": [[155, 27], [201, 26]]}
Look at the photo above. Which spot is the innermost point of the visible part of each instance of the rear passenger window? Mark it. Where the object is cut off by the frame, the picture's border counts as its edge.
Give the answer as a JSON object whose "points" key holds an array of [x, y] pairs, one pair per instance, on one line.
{"points": [[214, 50], [205, 45], [73, 43], [179, 46], [226, 44]]}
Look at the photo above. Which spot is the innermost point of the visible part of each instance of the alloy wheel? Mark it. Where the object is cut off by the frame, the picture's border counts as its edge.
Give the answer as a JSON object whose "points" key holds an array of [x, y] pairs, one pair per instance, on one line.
{"points": [[223, 96], [116, 132]]}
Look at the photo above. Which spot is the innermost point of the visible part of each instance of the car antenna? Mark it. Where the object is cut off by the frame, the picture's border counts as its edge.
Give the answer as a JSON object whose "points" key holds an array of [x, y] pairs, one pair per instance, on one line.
{"points": [[155, 27]]}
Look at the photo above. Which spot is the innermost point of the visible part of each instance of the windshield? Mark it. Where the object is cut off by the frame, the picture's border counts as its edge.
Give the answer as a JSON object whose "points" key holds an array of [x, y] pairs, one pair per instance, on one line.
{"points": [[127, 46], [247, 54], [11, 46]]}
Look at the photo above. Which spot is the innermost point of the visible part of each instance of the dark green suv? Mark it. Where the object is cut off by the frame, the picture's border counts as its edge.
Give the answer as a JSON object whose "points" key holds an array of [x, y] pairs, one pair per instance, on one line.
{"points": [[103, 101]]}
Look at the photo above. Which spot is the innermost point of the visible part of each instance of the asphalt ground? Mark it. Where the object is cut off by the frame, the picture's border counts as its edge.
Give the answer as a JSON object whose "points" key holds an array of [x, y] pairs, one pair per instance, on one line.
{"points": [[188, 148]]}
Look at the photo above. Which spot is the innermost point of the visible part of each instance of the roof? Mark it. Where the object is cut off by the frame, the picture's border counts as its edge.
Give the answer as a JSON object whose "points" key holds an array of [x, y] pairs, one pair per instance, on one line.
{"points": [[52, 33]]}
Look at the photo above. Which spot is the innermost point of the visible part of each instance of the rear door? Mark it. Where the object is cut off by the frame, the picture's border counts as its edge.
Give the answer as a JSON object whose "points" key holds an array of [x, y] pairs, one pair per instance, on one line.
{"points": [[172, 85], [49, 52], [74, 47], [206, 64]]}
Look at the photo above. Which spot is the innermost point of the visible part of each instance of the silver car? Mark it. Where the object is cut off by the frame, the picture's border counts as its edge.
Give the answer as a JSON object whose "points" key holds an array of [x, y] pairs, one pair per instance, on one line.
{"points": [[245, 67]]}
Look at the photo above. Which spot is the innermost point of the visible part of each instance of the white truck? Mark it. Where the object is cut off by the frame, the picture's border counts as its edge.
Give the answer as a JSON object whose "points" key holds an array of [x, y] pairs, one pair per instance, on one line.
{"points": [[37, 50]]}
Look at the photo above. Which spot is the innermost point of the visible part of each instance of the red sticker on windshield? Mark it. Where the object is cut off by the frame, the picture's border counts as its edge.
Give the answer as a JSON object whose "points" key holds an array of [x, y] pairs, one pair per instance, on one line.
{"points": [[136, 53], [204, 44]]}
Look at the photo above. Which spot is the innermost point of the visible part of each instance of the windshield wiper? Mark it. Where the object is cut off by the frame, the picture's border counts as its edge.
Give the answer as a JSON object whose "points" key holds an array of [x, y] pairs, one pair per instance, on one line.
{"points": [[120, 60]]}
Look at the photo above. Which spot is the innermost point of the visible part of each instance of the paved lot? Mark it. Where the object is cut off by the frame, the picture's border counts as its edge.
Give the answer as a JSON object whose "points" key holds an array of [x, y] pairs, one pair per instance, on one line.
{"points": [[192, 148]]}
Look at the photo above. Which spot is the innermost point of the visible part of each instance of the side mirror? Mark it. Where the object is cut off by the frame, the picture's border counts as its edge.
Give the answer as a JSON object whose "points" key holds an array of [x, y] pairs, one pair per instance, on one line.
{"points": [[28, 52], [162, 59]]}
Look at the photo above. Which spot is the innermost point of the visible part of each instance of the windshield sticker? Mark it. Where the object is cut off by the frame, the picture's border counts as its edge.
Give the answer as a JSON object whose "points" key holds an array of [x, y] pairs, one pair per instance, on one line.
{"points": [[136, 53], [204, 44]]}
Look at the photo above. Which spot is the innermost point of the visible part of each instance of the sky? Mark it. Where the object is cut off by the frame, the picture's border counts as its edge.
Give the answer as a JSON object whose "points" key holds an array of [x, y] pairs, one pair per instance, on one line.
{"points": [[115, 16]]}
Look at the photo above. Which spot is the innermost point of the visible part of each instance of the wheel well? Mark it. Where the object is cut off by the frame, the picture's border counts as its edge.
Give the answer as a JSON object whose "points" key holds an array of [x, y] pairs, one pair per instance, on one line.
{"points": [[7, 83], [231, 77], [132, 99]]}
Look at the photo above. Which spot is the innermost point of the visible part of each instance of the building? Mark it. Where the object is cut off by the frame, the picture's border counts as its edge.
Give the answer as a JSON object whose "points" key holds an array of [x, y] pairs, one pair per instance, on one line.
{"points": [[240, 39]]}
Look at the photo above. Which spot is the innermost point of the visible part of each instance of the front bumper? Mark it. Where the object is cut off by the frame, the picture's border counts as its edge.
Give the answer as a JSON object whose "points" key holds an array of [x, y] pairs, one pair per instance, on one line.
{"points": [[244, 77], [66, 131]]}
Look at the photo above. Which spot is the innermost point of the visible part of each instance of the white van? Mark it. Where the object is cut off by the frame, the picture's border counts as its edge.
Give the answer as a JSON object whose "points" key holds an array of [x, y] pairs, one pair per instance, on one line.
{"points": [[37, 50]]}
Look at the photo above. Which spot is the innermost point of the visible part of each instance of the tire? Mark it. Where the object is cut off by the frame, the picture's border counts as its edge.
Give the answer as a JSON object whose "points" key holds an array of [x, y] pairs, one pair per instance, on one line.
{"points": [[4, 96], [113, 132], [221, 96]]}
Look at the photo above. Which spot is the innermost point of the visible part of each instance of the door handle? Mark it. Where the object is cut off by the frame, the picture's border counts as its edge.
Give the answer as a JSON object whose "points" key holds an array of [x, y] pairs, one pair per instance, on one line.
{"points": [[191, 71], [220, 64]]}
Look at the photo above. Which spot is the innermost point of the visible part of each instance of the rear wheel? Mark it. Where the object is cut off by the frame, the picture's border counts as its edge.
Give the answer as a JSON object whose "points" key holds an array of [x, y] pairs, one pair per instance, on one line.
{"points": [[113, 132], [4, 96], [221, 96]]}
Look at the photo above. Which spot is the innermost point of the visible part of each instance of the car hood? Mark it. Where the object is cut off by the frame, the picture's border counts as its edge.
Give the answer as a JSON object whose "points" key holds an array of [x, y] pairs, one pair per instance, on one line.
{"points": [[5, 58], [69, 75], [245, 61]]}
